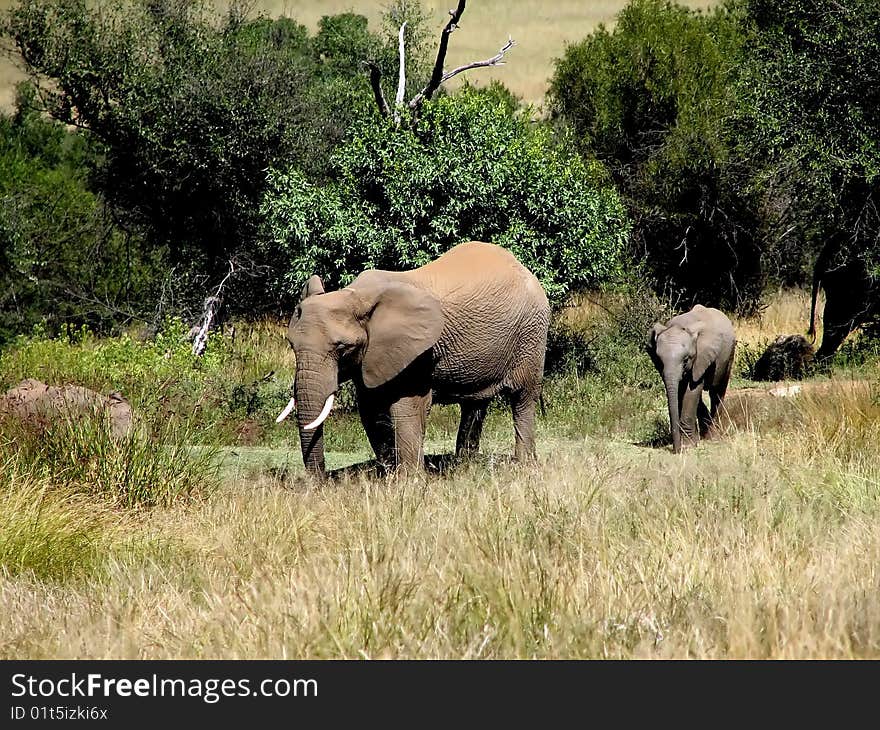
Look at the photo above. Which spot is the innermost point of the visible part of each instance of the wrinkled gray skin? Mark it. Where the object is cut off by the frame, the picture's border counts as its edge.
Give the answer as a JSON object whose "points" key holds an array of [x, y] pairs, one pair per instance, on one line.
{"points": [[693, 352], [464, 328], [34, 401]]}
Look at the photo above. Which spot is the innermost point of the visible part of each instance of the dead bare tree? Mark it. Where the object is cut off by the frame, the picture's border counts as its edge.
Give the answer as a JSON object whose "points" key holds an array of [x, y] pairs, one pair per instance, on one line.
{"points": [[199, 333], [438, 76]]}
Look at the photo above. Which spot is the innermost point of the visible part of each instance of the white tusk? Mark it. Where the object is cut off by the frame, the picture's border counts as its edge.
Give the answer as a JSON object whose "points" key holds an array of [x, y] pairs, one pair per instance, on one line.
{"points": [[322, 416], [287, 409]]}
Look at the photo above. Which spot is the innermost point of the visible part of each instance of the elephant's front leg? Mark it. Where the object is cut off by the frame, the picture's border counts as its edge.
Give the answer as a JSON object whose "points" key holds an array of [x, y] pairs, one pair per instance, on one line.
{"points": [[379, 429], [473, 413], [409, 417], [691, 401]]}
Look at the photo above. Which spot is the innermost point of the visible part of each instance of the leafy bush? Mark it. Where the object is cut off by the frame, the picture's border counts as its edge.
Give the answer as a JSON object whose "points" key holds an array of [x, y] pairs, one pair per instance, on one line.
{"points": [[651, 99], [246, 377], [467, 170], [134, 367]]}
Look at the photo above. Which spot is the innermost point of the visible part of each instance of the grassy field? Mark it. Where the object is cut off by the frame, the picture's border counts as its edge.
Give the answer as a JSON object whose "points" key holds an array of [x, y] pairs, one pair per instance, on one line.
{"points": [[763, 543], [540, 29]]}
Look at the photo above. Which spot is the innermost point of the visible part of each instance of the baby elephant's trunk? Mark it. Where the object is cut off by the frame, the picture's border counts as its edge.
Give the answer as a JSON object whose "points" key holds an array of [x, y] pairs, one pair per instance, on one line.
{"points": [[673, 383]]}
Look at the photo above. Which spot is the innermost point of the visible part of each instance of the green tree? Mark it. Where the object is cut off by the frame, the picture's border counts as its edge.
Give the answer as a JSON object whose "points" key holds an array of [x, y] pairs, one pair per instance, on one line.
{"points": [[651, 99], [62, 258], [812, 93], [466, 169], [193, 108]]}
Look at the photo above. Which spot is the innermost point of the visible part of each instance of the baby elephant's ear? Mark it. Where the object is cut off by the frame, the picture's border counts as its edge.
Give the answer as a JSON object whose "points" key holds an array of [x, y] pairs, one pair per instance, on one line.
{"points": [[652, 335], [313, 286], [708, 349]]}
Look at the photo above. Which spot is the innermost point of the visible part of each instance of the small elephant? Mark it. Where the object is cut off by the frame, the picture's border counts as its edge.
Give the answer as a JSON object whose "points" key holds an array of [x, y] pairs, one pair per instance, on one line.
{"points": [[462, 329], [36, 402], [693, 351]]}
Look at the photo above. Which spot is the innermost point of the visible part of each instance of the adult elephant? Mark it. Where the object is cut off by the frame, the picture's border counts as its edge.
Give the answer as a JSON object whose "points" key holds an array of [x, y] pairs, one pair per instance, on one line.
{"points": [[693, 352], [466, 327], [852, 297]]}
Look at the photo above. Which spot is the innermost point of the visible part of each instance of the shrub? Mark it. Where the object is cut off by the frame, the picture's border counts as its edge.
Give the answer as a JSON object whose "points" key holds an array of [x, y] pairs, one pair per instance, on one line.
{"points": [[134, 367], [468, 169], [788, 356], [247, 376]]}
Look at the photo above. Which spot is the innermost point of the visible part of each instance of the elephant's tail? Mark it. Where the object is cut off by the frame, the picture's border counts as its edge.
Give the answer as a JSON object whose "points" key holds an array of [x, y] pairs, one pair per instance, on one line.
{"points": [[541, 403]]}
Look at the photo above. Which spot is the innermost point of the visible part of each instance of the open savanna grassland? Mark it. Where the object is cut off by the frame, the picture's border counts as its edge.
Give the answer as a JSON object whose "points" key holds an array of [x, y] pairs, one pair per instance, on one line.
{"points": [[11, 66], [541, 31], [762, 543]]}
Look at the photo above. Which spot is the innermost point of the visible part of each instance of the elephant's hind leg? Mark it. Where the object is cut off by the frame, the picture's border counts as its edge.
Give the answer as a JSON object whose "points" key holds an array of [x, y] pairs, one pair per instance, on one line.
{"points": [[524, 404], [473, 413], [716, 398]]}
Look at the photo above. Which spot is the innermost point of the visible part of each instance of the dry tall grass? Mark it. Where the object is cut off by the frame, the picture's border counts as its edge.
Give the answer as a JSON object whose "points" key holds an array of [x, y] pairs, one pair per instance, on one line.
{"points": [[760, 545]]}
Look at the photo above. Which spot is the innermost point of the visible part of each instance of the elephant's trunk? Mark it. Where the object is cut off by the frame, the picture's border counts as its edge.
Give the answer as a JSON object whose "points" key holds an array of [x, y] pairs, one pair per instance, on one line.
{"points": [[312, 443], [313, 388], [672, 381]]}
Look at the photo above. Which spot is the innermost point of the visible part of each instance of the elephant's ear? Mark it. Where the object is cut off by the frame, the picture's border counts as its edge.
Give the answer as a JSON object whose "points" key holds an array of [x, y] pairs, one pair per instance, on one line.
{"points": [[708, 349], [405, 322], [313, 286], [652, 335]]}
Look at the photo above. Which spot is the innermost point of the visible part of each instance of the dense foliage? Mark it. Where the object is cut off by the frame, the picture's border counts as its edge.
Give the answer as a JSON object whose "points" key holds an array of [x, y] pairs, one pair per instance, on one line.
{"points": [[192, 109], [468, 169], [62, 259], [812, 96], [743, 143], [651, 98]]}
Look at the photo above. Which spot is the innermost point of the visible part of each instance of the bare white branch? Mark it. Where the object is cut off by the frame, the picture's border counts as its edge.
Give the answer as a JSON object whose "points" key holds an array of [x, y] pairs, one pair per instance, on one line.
{"points": [[438, 75], [401, 76], [496, 60], [212, 304]]}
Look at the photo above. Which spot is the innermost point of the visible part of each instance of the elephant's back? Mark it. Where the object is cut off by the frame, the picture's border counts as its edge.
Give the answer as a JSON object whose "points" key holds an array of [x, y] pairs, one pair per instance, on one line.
{"points": [[700, 315], [481, 267], [496, 315]]}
